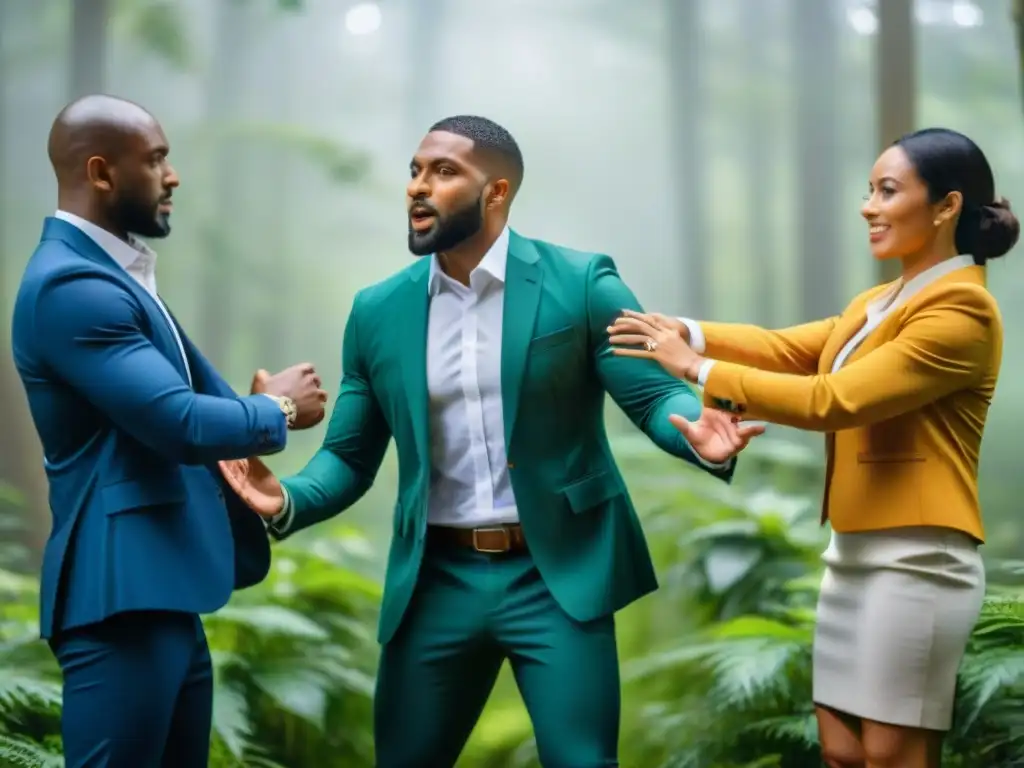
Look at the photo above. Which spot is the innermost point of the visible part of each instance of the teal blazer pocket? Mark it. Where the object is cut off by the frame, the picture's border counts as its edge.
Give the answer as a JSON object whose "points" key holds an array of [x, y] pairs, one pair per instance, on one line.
{"points": [[553, 339], [593, 491]]}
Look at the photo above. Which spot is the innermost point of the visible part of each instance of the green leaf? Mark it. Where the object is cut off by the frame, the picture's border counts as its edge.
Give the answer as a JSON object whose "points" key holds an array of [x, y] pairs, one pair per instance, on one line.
{"points": [[17, 752], [300, 691], [726, 565], [760, 627], [231, 718], [269, 620]]}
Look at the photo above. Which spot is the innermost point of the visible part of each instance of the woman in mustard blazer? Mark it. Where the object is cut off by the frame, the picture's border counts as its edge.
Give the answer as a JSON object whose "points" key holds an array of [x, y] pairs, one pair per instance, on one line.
{"points": [[900, 383]]}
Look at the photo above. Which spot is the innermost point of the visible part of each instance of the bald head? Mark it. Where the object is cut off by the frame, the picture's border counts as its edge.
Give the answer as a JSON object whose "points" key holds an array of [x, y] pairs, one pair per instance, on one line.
{"points": [[110, 159], [94, 126]]}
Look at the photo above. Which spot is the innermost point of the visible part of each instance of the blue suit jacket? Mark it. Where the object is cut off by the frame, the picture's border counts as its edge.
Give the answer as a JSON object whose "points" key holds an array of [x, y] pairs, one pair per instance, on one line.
{"points": [[141, 517]]}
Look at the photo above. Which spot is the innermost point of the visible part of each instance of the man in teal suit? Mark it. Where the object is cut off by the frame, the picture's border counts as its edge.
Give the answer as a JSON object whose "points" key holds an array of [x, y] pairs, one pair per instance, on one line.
{"points": [[514, 535]]}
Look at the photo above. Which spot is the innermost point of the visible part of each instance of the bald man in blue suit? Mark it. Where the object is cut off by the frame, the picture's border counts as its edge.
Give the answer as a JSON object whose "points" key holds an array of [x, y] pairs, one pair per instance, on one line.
{"points": [[132, 418]]}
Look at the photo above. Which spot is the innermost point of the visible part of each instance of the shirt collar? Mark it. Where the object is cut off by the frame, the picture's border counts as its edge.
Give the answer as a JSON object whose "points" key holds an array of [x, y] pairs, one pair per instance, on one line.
{"points": [[124, 253], [493, 264], [903, 291]]}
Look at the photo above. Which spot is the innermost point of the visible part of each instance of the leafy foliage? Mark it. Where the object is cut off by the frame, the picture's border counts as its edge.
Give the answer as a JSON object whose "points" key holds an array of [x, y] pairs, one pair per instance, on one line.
{"points": [[716, 666], [293, 666]]}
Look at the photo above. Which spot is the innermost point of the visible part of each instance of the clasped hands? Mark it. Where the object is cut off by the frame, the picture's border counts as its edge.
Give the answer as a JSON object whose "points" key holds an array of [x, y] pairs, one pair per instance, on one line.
{"points": [[250, 478], [717, 435]]}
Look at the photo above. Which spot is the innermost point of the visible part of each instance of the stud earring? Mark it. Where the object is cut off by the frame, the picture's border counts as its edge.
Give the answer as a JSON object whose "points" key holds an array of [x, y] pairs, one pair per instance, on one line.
{"points": [[937, 222]]}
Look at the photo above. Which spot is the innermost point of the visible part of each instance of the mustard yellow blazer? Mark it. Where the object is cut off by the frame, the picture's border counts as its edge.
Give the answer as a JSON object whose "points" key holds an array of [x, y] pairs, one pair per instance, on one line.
{"points": [[905, 414]]}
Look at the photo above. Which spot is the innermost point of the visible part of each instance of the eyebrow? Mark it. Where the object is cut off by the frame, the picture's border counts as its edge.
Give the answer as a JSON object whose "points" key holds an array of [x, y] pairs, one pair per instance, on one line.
{"points": [[414, 163], [890, 179]]}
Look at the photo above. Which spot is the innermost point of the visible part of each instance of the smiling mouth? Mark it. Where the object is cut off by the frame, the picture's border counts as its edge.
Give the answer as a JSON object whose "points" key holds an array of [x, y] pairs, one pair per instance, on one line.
{"points": [[875, 231]]}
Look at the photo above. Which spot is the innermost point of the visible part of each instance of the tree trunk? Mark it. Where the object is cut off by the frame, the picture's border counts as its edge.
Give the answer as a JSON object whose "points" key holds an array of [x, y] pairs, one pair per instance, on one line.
{"points": [[816, 27], [276, 327], [687, 56], [1018, 23], [896, 80], [88, 58], [759, 142], [225, 98]]}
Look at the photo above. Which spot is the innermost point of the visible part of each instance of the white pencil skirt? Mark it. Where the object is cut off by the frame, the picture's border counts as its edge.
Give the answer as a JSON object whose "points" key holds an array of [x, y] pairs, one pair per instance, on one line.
{"points": [[896, 610]]}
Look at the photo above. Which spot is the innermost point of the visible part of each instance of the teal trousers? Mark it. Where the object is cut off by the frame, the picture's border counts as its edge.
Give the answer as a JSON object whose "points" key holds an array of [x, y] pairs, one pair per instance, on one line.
{"points": [[470, 612]]}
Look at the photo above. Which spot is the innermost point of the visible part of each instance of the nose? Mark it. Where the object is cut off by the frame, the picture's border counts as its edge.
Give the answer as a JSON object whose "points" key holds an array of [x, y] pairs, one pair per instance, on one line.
{"points": [[418, 187], [171, 180], [869, 210]]}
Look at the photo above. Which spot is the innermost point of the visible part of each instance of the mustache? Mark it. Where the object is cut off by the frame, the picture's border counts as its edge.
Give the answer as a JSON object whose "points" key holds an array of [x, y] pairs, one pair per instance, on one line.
{"points": [[423, 207]]}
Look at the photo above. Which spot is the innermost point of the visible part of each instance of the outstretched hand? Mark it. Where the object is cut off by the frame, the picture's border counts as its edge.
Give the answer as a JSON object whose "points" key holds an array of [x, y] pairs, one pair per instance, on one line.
{"points": [[255, 484], [716, 436]]}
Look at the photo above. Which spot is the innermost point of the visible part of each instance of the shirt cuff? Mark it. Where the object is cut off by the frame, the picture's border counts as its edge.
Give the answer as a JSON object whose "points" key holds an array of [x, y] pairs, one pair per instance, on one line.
{"points": [[282, 521], [704, 372], [697, 341], [711, 464], [702, 377]]}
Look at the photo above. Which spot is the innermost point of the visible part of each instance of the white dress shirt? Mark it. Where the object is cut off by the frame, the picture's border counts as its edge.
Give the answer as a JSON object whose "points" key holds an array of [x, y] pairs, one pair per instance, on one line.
{"points": [[470, 485], [877, 310], [137, 259]]}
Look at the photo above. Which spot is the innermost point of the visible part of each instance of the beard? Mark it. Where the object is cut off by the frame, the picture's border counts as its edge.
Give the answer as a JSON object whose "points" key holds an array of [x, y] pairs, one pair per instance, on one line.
{"points": [[449, 231], [142, 219]]}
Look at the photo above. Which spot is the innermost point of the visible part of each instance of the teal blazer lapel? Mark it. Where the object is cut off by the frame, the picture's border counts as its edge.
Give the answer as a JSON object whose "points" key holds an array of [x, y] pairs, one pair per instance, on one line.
{"points": [[523, 280], [411, 307]]}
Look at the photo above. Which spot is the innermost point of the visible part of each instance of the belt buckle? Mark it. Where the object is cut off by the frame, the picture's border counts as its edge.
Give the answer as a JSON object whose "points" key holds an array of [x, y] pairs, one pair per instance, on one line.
{"points": [[490, 529]]}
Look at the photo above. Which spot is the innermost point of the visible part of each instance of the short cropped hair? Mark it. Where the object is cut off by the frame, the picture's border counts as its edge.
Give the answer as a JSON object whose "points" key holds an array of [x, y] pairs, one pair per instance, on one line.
{"points": [[488, 136]]}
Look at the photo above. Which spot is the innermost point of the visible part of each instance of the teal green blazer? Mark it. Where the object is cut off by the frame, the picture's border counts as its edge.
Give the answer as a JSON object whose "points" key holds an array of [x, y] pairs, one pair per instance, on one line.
{"points": [[557, 365]]}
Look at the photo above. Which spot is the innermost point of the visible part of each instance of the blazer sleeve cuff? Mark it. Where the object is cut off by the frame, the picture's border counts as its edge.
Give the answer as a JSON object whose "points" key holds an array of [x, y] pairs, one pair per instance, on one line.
{"points": [[723, 386], [281, 523]]}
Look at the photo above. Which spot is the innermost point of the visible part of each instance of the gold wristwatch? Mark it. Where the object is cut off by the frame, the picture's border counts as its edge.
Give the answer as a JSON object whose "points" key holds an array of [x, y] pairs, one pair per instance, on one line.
{"points": [[287, 406]]}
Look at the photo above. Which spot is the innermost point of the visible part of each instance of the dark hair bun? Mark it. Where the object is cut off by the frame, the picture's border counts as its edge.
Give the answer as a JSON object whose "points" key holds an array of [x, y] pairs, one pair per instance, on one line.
{"points": [[998, 231]]}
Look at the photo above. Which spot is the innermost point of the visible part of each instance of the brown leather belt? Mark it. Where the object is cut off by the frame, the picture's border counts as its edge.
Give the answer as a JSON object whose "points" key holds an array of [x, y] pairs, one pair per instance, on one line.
{"points": [[491, 539]]}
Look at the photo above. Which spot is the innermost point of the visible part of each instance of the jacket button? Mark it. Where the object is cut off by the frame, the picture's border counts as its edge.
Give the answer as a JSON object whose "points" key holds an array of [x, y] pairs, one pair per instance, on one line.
{"points": [[511, 465]]}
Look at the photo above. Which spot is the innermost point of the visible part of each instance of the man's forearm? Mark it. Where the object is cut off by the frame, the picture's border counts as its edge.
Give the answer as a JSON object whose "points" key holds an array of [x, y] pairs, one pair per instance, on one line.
{"points": [[326, 487]]}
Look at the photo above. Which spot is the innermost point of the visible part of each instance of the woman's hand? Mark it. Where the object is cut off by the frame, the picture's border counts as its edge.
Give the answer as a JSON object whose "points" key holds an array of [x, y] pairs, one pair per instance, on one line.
{"points": [[659, 338], [663, 320]]}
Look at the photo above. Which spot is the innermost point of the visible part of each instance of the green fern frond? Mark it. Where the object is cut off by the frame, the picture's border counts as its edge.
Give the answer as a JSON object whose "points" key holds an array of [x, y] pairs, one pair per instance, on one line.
{"points": [[752, 669], [268, 620], [985, 676], [1000, 615], [21, 753], [20, 690], [799, 729], [231, 722]]}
